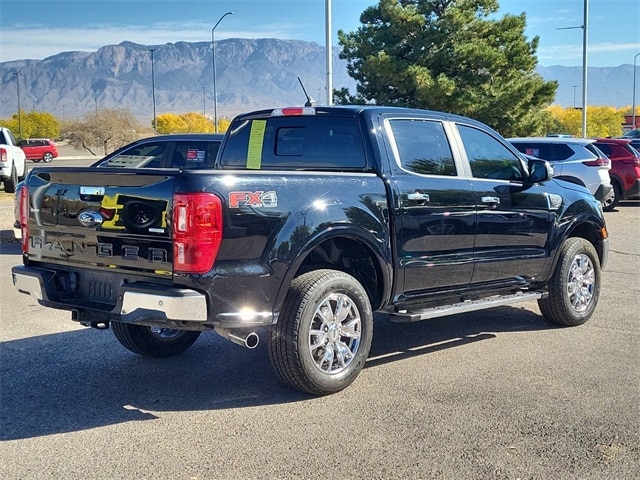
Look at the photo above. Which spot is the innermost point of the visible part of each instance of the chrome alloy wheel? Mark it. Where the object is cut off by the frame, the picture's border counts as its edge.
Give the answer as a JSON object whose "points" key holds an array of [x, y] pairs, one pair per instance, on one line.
{"points": [[581, 283], [334, 336]]}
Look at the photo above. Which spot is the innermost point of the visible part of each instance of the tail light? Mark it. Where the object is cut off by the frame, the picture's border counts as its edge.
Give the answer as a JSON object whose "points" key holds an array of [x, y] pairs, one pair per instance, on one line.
{"points": [[197, 231], [3, 155], [633, 160], [598, 162], [23, 210]]}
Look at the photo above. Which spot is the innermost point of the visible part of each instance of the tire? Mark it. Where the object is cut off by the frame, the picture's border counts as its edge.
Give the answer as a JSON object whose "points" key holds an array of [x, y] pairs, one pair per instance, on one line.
{"points": [[153, 342], [575, 286], [11, 182], [311, 348], [612, 202], [47, 158]]}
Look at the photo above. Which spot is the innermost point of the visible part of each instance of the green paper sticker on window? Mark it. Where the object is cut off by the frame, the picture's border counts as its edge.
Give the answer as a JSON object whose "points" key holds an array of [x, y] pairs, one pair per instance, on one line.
{"points": [[256, 139]]}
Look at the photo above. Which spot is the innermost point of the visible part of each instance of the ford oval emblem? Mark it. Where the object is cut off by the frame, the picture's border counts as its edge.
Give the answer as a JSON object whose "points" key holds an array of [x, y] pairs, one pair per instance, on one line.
{"points": [[90, 218]]}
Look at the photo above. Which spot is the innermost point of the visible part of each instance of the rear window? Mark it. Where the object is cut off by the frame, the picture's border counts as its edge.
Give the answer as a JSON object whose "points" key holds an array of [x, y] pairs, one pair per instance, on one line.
{"points": [[613, 150], [595, 150], [296, 143], [147, 155]]}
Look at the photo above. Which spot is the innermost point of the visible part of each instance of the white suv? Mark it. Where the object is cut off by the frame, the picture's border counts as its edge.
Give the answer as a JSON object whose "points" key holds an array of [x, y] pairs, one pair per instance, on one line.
{"points": [[575, 160]]}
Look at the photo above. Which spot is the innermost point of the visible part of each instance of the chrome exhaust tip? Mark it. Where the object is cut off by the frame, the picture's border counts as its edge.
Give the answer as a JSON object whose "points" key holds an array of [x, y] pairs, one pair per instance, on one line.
{"points": [[247, 339]]}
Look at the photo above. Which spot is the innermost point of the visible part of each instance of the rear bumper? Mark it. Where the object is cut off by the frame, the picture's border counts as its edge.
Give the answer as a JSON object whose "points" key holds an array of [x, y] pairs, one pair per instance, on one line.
{"points": [[634, 191], [603, 192], [137, 301]]}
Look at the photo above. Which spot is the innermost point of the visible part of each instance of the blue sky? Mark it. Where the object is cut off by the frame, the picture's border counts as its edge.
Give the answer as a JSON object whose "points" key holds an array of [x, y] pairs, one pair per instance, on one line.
{"points": [[37, 29]]}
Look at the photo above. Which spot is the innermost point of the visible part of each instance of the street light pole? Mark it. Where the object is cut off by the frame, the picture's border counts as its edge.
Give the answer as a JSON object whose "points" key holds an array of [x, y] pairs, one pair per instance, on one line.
{"points": [[95, 99], [17, 74], [329, 57], [585, 24], [153, 92], [213, 57], [574, 95], [584, 27], [633, 102]]}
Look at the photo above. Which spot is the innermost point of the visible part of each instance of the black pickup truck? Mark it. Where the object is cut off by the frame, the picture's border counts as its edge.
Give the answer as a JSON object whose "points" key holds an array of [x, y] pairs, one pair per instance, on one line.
{"points": [[309, 220]]}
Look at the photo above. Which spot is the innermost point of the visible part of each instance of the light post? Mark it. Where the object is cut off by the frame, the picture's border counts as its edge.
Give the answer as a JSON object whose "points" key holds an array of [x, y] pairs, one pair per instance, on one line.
{"points": [[585, 24], [633, 101], [213, 56], [329, 57], [17, 74], [204, 104], [153, 92], [584, 28], [574, 95], [95, 99]]}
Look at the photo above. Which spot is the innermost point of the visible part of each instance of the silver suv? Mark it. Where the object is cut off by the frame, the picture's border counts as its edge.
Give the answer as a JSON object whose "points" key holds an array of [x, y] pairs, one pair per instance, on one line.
{"points": [[575, 160]]}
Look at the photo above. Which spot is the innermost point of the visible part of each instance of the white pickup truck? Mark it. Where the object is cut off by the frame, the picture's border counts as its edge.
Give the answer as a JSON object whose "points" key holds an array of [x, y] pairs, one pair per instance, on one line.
{"points": [[13, 161]]}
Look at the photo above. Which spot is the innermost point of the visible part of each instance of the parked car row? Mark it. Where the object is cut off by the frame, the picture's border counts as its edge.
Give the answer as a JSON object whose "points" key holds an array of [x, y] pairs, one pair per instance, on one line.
{"points": [[608, 167]]}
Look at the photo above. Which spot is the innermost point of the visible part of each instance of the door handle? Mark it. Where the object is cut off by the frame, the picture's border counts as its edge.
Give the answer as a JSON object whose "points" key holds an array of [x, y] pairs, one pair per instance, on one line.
{"points": [[491, 200], [418, 196]]}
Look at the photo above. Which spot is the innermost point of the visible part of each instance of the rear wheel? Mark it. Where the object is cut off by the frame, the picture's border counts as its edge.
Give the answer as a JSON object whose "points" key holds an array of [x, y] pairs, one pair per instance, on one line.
{"points": [[324, 331], [153, 341], [612, 202], [47, 157], [575, 286]]}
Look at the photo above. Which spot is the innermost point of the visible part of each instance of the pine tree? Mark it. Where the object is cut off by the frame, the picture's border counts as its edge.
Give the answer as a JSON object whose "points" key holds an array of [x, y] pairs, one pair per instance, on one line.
{"points": [[449, 55]]}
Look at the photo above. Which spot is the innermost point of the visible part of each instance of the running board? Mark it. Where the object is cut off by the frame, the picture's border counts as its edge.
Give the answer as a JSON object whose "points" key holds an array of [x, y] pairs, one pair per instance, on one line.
{"points": [[464, 307]]}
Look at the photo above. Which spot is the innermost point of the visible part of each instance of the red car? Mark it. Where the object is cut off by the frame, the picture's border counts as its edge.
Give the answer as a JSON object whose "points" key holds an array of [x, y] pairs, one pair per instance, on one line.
{"points": [[37, 149], [625, 169]]}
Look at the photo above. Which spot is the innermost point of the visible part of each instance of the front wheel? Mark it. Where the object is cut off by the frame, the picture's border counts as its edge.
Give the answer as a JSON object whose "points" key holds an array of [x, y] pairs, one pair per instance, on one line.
{"points": [[575, 287], [323, 335], [47, 157], [153, 342]]}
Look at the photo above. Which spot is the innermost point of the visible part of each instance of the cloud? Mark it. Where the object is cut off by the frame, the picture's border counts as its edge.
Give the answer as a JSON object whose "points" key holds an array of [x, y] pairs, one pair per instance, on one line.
{"points": [[574, 51], [37, 43]]}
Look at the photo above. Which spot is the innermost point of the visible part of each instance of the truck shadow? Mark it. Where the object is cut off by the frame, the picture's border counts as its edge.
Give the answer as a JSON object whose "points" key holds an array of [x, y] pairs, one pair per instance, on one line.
{"points": [[83, 379]]}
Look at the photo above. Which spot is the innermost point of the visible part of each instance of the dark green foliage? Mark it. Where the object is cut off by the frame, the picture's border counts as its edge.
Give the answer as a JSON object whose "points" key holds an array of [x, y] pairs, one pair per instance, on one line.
{"points": [[450, 55]]}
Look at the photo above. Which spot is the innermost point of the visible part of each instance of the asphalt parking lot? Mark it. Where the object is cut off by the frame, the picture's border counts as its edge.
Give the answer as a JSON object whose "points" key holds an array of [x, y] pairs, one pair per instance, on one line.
{"points": [[499, 394]]}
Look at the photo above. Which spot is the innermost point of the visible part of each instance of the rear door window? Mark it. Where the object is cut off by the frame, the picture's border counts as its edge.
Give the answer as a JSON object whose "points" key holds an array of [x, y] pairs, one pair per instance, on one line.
{"points": [[422, 147], [194, 155]]}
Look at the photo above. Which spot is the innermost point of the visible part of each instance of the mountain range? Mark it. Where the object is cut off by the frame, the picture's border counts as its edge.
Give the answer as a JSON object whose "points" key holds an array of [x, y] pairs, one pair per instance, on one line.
{"points": [[250, 74]]}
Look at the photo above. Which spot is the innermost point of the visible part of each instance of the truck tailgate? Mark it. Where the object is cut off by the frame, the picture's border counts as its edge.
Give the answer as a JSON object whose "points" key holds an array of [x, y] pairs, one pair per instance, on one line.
{"points": [[107, 219]]}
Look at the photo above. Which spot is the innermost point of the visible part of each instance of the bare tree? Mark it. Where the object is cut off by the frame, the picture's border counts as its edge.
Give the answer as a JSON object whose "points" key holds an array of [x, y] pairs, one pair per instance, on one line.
{"points": [[103, 132]]}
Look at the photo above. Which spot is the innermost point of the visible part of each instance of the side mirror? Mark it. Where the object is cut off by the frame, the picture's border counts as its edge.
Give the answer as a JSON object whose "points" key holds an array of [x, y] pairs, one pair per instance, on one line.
{"points": [[539, 170]]}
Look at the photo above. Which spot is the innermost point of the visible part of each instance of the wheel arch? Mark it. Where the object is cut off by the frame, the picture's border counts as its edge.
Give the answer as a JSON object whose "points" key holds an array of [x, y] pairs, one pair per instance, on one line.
{"points": [[592, 233], [348, 250]]}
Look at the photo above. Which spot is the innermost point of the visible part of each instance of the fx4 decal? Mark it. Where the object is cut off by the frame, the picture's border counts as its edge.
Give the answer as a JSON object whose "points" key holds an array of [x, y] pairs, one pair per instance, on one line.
{"points": [[253, 199]]}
